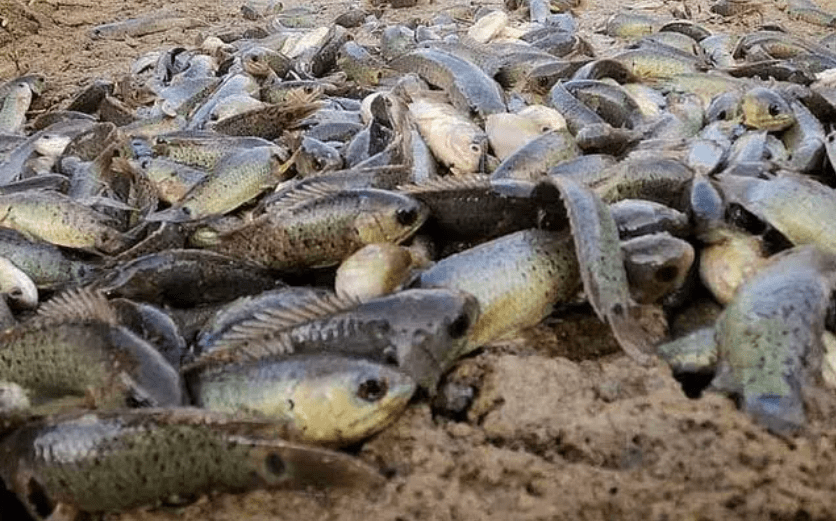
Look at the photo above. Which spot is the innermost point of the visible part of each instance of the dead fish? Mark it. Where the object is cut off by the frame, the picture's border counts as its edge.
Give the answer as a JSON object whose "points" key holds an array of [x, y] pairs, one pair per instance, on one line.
{"points": [[184, 278], [469, 88], [455, 140], [323, 399], [422, 331], [656, 265], [729, 260], [149, 24], [78, 462], [57, 219], [76, 347], [602, 269], [319, 226], [798, 207], [516, 278], [765, 109], [770, 337], [237, 179], [534, 159], [13, 107], [47, 266]]}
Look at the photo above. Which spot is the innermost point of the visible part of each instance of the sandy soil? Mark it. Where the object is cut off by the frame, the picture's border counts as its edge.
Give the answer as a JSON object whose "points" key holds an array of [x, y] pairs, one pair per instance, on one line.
{"points": [[562, 426]]}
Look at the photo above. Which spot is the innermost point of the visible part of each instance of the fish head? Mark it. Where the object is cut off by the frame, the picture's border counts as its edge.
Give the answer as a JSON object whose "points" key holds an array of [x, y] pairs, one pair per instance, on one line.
{"points": [[388, 217], [344, 402], [469, 150], [766, 110]]}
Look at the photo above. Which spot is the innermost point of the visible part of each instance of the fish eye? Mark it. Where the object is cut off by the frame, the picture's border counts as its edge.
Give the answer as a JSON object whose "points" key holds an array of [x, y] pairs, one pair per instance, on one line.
{"points": [[373, 389], [721, 115], [545, 129], [475, 148], [458, 328], [275, 464], [774, 110], [406, 216], [666, 274]]}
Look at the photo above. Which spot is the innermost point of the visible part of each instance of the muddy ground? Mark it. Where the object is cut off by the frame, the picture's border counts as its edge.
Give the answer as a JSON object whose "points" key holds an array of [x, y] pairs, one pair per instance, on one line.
{"points": [[563, 426]]}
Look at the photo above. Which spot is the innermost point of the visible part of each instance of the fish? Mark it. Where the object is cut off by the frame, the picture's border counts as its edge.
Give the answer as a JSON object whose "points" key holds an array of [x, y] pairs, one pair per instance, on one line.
{"points": [[319, 226], [76, 347], [324, 399], [100, 462]]}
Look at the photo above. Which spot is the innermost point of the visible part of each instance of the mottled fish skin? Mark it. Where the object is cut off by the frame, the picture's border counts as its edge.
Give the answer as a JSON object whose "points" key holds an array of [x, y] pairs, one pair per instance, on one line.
{"points": [[516, 278], [323, 230], [47, 265], [324, 399], [57, 219], [770, 337], [469, 88], [765, 109], [202, 149], [185, 278], [533, 160], [108, 462], [237, 178], [423, 331], [601, 264], [13, 107], [86, 354]]}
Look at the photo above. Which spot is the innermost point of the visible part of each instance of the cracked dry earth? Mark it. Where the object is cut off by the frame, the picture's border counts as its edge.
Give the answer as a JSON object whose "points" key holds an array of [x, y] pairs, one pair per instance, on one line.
{"points": [[563, 426]]}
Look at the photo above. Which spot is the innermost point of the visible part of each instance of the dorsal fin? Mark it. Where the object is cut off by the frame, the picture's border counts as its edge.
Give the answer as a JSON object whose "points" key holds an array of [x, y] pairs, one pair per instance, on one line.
{"points": [[78, 304], [306, 193], [449, 182]]}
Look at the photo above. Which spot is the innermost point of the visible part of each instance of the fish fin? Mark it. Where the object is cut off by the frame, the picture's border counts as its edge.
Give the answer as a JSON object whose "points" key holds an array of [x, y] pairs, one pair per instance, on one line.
{"points": [[447, 183], [78, 304], [297, 196], [266, 324]]}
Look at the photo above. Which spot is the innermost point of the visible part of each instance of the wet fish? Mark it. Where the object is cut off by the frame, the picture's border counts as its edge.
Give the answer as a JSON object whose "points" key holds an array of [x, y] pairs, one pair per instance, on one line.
{"points": [[80, 461], [516, 278], [184, 278], [373, 271], [320, 226], [57, 219], [469, 88], [770, 337], [323, 399], [453, 138], [76, 347], [16, 286]]}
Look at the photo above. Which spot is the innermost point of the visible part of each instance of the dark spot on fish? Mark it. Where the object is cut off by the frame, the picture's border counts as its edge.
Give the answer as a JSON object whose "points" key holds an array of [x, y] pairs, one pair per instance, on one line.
{"points": [[38, 499], [617, 310], [373, 389], [458, 328], [290, 405], [666, 274], [275, 464], [406, 216]]}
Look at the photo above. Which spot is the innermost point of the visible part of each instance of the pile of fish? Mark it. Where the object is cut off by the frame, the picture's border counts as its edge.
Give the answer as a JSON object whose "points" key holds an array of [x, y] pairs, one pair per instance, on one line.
{"points": [[241, 257]]}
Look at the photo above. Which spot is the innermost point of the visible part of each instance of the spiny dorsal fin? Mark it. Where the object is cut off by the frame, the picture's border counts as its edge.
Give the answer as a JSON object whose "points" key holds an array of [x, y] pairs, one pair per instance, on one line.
{"points": [[295, 196], [268, 322], [78, 304], [449, 182]]}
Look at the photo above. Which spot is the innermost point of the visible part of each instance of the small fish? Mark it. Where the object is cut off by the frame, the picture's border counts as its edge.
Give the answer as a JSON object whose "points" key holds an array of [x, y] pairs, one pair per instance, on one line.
{"points": [[149, 24], [770, 337], [765, 109], [319, 226], [75, 347], [455, 140], [79, 461], [57, 219], [324, 399], [184, 278], [516, 278]]}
